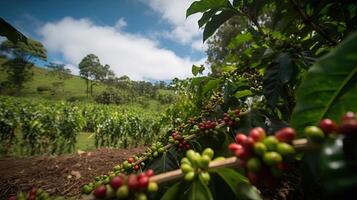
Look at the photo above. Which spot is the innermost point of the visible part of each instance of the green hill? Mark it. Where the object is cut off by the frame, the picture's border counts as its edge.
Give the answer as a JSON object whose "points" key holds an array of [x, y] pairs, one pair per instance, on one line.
{"points": [[73, 87]]}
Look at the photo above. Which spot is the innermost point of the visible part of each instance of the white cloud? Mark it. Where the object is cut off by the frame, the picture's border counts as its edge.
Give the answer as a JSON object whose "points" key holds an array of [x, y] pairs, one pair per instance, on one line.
{"points": [[182, 30], [128, 54], [74, 69], [120, 24]]}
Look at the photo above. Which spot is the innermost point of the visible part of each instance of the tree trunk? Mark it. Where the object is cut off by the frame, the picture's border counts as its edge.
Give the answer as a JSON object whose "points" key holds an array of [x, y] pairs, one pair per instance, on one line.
{"points": [[87, 87]]}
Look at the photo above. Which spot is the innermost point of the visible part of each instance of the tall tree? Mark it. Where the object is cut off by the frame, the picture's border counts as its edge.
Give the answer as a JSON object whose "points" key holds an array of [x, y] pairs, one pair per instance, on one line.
{"points": [[20, 60], [87, 70]]}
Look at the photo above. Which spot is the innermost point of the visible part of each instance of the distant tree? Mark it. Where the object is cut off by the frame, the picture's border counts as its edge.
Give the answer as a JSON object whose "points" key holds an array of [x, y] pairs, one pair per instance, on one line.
{"points": [[20, 60], [87, 70], [58, 70]]}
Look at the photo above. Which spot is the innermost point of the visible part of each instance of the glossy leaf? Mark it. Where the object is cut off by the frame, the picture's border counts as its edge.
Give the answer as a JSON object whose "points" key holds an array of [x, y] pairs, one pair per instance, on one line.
{"points": [[164, 163], [277, 74], [242, 93], [174, 192], [197, 69], [211, 85], [11, 33], [238, 184], [199, 191], [329, 88], [204, 5], [215, 22], [240, 39]]}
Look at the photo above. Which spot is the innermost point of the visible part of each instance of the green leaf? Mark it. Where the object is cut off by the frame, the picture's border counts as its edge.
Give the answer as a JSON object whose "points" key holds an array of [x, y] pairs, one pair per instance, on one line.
{"points": [[238, 184], [204, 5], [206, 16], [164, 163], [174, 192], [276, 76], [229, 68], [240, 39], [199, 191], [242, 93], [197, 69], [11, 33], [329, 88], [211, 85], [215, 22]]}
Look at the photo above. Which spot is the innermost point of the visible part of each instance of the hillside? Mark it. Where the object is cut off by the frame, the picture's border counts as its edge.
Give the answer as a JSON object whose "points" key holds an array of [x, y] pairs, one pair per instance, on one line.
{"points": [[73, 87]]}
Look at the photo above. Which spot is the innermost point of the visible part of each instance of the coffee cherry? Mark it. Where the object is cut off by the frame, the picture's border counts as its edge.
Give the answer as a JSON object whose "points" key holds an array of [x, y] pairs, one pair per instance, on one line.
{"points": [[87, 189], [254, 165], [347, 116], [242, 153], [348, 127], [286, 134], [272, 158], [204, 161], [186, 168], [240, 138], [328, 126], [205, 177], [189, 176], [258, 134], [100, 192], [12, 198], [122, 192], [260, 148], [130, 160], [248, 144], [271, 142], [132, 182], [141, 196], [116, 182], [285, 149], [208, 152], [152, 187], [143, 182], [314, 133], [149, 173], [233, 147]]}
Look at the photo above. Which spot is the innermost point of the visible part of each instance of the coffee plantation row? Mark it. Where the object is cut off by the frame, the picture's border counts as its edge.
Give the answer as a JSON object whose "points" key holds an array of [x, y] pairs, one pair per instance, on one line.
{"points": [[43, 127]]}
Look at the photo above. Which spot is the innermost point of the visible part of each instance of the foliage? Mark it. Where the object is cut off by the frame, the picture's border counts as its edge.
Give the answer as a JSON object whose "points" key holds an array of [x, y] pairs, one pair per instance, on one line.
{"points": [[22, 54], [333, 79], [51, 128], [10, 32]]}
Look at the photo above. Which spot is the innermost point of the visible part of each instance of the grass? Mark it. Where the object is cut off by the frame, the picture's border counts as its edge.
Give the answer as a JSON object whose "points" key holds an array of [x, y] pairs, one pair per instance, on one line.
{"points": [[85, 141]]}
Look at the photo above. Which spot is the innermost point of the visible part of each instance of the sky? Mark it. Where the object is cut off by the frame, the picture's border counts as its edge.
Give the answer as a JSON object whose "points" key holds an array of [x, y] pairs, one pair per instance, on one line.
{"points": [[144, 39]]}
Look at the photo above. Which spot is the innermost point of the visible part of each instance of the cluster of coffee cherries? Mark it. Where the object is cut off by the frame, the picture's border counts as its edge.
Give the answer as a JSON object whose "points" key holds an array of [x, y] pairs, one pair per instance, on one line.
{"points": [[154, 151], [347, 127], [207, 126], [196, 165], [34, 194], [127, 187], [264, 157], [231, 117], [129, 164], [177, 138]]}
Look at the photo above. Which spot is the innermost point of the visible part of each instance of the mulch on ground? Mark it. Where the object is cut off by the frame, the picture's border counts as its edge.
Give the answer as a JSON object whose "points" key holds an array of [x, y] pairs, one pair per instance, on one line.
{"points": [[59, 175]]}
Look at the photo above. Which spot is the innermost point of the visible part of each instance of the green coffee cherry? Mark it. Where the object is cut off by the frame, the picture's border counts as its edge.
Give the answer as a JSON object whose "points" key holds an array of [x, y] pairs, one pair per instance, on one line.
{"points": [[190, 176], [208, 152]]}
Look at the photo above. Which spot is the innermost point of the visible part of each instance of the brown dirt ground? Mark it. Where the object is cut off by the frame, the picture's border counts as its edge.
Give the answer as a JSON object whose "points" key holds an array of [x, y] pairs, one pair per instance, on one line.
{"points": [[52, 173]]}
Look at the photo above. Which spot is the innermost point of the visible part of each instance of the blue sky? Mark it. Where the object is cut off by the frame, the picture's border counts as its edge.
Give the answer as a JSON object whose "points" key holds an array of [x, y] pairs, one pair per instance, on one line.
{"points": [[145, 39]]}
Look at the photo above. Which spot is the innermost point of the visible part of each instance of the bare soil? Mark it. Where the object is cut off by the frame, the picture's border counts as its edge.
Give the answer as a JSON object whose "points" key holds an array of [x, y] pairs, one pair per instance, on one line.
{"points": [[59, 175]]}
